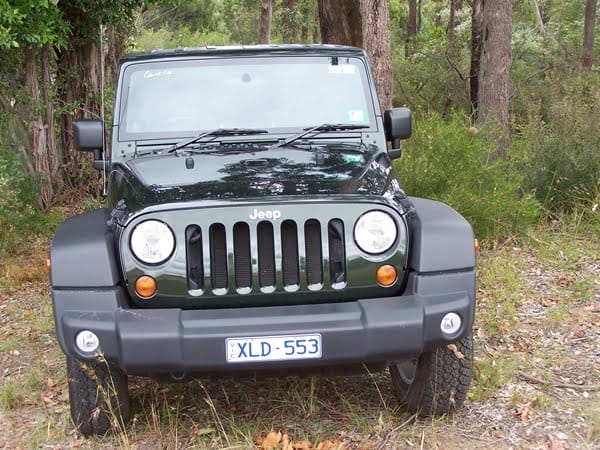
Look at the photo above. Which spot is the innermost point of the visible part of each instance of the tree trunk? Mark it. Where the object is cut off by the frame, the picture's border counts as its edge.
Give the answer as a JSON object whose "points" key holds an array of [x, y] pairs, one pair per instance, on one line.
{"points": [[365, 24], [411, 29], [496, 59], [476, 28], [53, 151], [340, 22], [588, 35], [450, 27], [37, 129], [377, 42], [289, 22], [266, 15], [79, 70], [538, 17]]}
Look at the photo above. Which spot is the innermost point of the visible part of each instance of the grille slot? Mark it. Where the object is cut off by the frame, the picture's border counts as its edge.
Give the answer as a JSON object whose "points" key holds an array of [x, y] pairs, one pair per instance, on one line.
{"points": [[242, 256], [218, 256], [337, 251], [266, 254], [314, 253], [289, 253], [194, 257]]}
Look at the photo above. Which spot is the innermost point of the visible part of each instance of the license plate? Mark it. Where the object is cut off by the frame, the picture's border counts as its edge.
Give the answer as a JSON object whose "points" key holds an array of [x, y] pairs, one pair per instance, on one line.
{"points": [[273, 348]]}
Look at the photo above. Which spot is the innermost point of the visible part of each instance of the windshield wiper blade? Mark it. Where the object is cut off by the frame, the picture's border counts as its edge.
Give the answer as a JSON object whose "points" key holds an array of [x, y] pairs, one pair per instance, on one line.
{"points": [[323, 128], [216, 133]]}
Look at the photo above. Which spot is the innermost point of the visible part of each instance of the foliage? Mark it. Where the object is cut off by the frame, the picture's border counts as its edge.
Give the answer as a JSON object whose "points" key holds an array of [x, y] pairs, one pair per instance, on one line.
{"points": [[558, 143], [20, 217], [447, 161]]}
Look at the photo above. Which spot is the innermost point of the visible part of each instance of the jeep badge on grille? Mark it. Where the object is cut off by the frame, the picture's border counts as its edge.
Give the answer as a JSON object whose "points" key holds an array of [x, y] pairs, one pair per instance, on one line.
{"points": [[271, 215]]}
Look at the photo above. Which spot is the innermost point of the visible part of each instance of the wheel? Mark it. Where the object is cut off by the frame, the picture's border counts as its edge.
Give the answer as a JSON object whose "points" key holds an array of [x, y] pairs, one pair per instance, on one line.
{"points": [[436, 382], [98, 396]]}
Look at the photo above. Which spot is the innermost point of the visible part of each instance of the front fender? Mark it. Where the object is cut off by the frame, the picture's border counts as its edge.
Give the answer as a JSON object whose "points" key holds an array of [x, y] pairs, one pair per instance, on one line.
{"points": [[441, 239], [82, 253]]}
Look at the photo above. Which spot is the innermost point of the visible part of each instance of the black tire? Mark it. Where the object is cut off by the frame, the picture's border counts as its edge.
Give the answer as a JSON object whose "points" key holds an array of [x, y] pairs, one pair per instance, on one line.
{"points": [[98, 396], [437, 382]]}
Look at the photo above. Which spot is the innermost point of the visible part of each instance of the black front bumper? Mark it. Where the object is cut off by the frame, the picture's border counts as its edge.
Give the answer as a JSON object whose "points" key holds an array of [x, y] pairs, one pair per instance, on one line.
{"points": [[155, 341]]}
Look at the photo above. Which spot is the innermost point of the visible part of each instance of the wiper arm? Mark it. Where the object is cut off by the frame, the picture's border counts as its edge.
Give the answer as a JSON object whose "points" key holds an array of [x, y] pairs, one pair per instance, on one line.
{"points": [[216, 133], [324, 128]]}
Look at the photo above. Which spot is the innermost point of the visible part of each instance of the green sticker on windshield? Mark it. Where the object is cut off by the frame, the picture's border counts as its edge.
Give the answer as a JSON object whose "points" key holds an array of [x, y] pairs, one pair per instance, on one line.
{"points": [[356, 115], [352, 158]]}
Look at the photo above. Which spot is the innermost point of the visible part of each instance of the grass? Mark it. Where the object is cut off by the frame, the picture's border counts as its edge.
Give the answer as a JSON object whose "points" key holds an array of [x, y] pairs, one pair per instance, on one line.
{"points": [[358, 410]]}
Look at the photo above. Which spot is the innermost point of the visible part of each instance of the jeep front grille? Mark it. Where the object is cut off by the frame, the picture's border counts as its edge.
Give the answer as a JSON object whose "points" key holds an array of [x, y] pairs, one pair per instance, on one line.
{"points": [[254, 255]]}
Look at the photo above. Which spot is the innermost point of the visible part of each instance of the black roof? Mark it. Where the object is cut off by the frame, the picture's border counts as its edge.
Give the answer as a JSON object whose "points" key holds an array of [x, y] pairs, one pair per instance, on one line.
{"points": [[248, 50]]}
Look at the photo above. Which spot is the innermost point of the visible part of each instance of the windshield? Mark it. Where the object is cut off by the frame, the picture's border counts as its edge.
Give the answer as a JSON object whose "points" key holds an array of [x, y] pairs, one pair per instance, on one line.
{"points": [[281, 94]]}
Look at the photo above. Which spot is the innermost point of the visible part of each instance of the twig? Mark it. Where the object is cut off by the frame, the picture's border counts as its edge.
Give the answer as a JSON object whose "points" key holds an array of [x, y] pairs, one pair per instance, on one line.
{"points": [[583, 387], [393, 430]]}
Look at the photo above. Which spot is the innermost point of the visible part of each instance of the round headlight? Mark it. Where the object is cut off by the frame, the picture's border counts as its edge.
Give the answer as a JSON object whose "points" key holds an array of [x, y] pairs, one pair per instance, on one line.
{"points": [[152, 242], [375, 232]]}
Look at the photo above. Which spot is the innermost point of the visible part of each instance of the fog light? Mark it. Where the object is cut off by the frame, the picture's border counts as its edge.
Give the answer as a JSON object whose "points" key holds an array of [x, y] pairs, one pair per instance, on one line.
{"points": [[386, 275], [451, 323], [145, 286], [86, 341]]}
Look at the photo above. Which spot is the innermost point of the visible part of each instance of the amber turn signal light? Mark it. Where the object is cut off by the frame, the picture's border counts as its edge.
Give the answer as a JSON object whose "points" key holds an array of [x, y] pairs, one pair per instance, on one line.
{"points": [[47, 265], [386, 275], [477, 246], [145, 286]]}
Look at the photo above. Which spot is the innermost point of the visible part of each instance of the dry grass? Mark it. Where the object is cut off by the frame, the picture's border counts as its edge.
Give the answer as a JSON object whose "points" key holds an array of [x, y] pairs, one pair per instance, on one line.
{"points": [[538, 301]]}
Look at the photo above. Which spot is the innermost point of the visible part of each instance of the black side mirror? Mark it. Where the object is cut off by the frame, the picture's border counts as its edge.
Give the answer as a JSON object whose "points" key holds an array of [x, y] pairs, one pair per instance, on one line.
{"points": [[397, 123], [88, 135]]}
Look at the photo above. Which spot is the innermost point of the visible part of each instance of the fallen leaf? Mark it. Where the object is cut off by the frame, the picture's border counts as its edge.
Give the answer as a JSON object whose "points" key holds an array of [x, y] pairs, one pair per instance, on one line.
{"points": [[556, 443], [523, 412], [286, 443], [301, 445], [454, 349], [271, 440]]}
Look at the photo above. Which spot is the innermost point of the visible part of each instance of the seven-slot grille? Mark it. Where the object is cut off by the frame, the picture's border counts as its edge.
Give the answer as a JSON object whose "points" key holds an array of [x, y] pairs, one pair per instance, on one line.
{"points": [[260, 249]]}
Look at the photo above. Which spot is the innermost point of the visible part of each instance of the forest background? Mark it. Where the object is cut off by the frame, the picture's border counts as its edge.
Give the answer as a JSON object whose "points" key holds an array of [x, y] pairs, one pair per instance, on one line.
{"points": [[538, 160], [505, 96]]}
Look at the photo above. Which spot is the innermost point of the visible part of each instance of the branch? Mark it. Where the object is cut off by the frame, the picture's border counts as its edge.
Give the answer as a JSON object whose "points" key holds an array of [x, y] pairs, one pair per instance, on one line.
{"points": [[582, 387]]}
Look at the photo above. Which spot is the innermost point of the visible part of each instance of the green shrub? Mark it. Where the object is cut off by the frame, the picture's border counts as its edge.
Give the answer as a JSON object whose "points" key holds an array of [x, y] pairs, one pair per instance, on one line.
{"points": [[559, 144], [447, 161], [20, 218]]}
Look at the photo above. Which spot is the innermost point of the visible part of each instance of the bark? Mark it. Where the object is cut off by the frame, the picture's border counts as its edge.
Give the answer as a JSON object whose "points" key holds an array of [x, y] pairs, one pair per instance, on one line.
{"points": [[340, 22], [411, 29], [53, 151], [377, 42], [289, 22], [80, 90], [476, 28], [37, 143], [496, 59], [450, 27], [365, 24], [266, 16], [588, 35]]}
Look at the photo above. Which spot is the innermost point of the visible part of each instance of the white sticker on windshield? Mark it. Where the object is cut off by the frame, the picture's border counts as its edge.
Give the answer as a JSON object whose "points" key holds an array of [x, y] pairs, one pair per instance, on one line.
{"points": [[356, 115], [349, 69]]}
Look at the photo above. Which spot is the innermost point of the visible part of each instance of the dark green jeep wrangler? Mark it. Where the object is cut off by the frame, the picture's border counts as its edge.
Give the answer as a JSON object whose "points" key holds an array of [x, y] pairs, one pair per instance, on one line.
{"points": [[254, 223]]}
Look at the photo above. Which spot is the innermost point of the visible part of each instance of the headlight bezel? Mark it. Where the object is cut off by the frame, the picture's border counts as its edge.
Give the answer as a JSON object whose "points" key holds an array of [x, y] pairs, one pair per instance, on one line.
{"points": [[390, 242], [133, 245]]}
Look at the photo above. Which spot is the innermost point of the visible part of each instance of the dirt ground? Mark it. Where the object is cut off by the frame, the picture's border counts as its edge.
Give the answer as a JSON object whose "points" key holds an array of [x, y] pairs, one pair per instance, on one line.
{"points": [[536, 379]]}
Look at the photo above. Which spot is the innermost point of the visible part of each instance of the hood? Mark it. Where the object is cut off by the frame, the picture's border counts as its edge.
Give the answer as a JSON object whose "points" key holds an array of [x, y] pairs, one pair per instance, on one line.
{"points": [[238, 173]]}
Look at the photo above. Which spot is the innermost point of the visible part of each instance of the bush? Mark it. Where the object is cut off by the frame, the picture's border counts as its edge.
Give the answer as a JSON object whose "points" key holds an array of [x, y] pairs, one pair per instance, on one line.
{"points": [[20, 218], [559, 144], [447, 161]]}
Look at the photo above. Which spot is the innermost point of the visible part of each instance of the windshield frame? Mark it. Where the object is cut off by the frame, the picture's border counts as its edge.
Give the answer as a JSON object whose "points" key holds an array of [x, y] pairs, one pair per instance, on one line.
{"points": [[128, 68]]}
